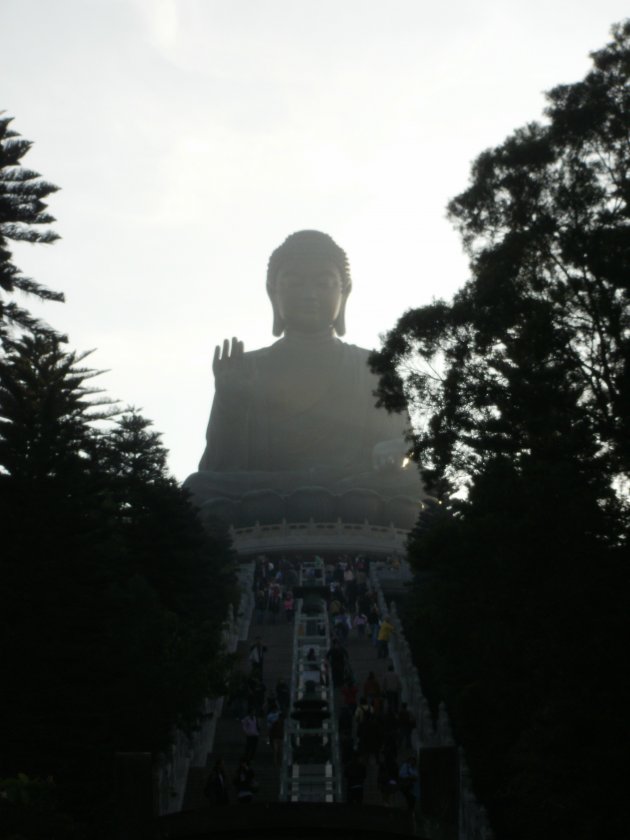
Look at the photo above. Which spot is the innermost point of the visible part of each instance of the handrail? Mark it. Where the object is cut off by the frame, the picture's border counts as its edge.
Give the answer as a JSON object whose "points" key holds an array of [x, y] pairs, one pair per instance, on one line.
{"points": [[186, 750], [311, 780], [473, 818]]}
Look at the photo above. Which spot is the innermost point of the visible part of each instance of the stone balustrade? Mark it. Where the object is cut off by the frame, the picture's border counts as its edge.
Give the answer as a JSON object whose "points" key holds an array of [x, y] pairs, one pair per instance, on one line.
{"points": [[186, 752], [473, 819], [310, 536]]}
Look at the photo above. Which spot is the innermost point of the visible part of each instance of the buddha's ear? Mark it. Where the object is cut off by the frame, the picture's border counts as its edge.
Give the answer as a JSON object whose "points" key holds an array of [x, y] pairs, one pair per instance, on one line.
{"points": [[278, 321], [340, 321]]}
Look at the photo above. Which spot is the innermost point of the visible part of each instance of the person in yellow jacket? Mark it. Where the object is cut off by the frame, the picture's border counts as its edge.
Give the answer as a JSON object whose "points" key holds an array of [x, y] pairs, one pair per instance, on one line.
{"points": [[384, 635]]}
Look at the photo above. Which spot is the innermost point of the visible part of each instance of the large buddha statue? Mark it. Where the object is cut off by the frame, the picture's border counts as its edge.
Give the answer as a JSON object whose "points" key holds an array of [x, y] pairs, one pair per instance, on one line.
{"points": [[301, 413]]}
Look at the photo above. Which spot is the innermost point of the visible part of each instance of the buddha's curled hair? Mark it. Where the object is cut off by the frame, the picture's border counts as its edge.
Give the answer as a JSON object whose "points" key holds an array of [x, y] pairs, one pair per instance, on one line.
{"points": [[310, 242]]}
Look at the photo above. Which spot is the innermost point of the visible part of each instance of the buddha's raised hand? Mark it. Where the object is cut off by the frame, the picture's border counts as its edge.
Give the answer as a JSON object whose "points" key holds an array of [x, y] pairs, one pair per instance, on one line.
{"points": [[227, 365]]}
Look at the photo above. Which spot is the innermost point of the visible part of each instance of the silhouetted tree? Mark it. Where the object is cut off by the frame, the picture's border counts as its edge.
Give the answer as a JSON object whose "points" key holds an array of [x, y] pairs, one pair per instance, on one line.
{"points": [[521, 389], [22, 212], [112, 595], [46, 408], [546, 222], [189, 568]]}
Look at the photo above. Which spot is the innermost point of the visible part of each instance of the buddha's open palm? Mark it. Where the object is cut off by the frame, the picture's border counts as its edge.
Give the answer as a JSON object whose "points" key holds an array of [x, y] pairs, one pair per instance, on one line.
{"points": [[229, 368]]}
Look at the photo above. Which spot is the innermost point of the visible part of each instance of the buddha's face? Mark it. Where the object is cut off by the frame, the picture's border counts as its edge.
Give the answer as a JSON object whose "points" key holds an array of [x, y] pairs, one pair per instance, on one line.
{"points": [[308, 293]]}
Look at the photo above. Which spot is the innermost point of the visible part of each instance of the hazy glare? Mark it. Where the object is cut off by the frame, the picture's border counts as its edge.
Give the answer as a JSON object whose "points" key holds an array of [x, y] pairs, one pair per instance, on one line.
{"points": [[190, 137]]}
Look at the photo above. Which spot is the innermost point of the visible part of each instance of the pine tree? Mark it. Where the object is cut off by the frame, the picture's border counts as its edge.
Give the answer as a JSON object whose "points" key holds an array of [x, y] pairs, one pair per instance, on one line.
{"points": [[46, 408], [113, 597], [22, 212]]}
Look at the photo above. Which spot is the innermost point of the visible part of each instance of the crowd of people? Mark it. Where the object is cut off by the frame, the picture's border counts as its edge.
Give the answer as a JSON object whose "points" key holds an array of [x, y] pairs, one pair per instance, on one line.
{"points": [[273, 587], [261, 714], [375, 727]]}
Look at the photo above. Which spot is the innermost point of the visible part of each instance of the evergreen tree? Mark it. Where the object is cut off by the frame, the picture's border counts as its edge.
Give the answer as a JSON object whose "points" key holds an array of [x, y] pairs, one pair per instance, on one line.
{"points": [[113, 597], [189, 569], [22, 212], [46, 409], [54, 564]]}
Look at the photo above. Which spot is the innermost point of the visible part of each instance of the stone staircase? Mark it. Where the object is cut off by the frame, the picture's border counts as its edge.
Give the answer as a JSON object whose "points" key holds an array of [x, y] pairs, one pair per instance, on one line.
{"points": [[229, 739]]}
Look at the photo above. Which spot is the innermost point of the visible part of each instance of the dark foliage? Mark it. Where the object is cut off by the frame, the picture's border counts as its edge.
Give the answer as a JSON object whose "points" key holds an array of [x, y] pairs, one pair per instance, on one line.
{"points": [[518, 621], [521, 389], [113, 596], [546, 221]]}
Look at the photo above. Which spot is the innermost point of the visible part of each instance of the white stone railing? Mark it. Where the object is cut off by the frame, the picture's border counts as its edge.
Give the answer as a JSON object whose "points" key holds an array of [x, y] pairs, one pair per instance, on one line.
{"points": [[296, 537], [400, 653], [301, 781], [473, 819], [172, 773], [185, 751]]}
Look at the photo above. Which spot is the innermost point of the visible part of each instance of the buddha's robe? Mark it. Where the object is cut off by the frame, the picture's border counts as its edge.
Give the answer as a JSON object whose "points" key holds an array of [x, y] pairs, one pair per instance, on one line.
{"points": [[300, 412]]}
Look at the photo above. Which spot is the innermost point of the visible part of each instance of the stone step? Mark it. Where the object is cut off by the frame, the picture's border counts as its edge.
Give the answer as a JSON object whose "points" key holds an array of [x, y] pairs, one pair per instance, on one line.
{"points": [[229, 739]]}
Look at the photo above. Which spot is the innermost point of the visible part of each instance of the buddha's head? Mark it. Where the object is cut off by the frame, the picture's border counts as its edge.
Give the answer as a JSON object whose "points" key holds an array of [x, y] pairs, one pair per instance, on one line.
{"points": [[308, 282]]}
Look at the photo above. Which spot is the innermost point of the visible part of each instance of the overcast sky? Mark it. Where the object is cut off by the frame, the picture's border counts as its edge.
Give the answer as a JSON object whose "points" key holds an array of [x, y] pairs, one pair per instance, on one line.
{"points": [[190, 137]]}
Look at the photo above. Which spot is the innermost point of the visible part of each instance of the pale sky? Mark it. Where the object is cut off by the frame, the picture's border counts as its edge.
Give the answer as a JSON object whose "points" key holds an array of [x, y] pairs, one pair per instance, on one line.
{"points": [[190, 137]]}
